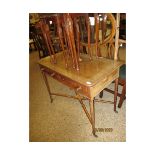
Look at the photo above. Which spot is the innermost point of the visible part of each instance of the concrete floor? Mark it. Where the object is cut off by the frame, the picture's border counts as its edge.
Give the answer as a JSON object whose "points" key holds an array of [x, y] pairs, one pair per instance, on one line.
{"points": [[64, 119]]}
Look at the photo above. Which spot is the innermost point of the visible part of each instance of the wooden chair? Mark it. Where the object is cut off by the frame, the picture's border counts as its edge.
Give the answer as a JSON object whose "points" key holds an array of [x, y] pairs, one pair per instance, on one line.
{"points": [[89, 31], [106, 39], [93, 32], [65, 36], [105, 23], [40, 43], [51, 21], [32, 45], [122, 75]]}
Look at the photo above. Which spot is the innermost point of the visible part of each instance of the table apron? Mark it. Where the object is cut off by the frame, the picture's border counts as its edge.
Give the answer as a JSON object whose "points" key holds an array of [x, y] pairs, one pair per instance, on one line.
{"points": [[96, 89], [82, 89], [88, 91]]}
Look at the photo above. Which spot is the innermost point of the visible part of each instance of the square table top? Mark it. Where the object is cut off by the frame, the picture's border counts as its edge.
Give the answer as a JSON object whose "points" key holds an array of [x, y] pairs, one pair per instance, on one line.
{"points": [[91, 71]]}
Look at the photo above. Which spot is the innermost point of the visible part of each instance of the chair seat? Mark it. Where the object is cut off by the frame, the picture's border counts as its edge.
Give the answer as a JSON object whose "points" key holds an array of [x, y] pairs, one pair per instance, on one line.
{"points": [[122, 72]]}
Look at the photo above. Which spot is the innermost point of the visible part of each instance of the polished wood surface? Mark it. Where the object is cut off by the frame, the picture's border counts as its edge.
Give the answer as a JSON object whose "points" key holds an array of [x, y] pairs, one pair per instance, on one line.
{"points": [[92, 74], [87, 82]]}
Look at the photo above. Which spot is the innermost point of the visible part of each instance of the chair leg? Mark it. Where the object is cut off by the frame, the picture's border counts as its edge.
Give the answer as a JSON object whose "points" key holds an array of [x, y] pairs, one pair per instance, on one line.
{"points": [[115, 94], [122, 96], [101, 94]]}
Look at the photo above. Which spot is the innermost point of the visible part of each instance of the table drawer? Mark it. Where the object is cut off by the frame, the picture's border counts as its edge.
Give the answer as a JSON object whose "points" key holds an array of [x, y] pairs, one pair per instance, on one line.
{"points": [[68, 82]]}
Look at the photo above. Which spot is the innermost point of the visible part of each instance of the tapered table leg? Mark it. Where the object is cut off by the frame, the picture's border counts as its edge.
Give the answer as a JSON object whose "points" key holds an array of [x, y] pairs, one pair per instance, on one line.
{"points": [[92, 113], [47, 85], [115, 94]]}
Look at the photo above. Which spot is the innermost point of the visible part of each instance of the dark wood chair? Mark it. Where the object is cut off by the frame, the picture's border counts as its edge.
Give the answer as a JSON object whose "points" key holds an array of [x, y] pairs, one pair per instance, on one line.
{"points": [[65, 36], [32, 45], [40, 43], [51, 21]]}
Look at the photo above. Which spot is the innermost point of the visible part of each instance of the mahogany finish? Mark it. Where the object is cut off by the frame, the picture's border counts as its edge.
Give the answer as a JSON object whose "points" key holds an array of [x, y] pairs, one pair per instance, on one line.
{"points": [[85, 82], [75, 70]]}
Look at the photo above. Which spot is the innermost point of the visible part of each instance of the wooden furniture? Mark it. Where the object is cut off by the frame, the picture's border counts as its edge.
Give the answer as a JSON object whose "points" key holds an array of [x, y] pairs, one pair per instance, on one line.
{"points": [[52, 22], [32, 44], [85, 82], [87, 78], [95, 30], [40, 44], [122, 72], [122, 82], [123, 26]]}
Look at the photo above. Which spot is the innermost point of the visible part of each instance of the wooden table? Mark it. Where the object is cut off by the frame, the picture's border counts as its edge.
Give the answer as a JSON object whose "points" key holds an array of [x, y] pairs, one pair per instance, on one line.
{"points": [[93, 76]]}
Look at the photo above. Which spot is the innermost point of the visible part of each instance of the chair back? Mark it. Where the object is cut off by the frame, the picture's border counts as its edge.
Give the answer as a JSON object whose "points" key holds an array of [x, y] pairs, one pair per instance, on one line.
{"points": [[100, 30], [95, 30]]}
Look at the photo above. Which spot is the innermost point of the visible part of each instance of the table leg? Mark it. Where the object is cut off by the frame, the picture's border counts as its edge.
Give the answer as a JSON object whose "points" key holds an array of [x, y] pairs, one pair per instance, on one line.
{"points": [[92, 113], [122, 96], [47, 85], [115, 95]]}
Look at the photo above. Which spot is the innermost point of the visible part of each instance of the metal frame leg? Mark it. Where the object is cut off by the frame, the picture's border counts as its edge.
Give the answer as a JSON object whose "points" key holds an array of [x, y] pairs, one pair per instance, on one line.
{"points": [[47, 85], [92, 114], [115, 95]]}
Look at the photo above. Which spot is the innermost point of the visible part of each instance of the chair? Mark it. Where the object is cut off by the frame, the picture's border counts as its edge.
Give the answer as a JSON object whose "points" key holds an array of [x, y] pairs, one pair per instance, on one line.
{"points": [[121, 79], [95, 30], [99, 33], [32, 44], [51, 21], [40, 43], [48, 24]]}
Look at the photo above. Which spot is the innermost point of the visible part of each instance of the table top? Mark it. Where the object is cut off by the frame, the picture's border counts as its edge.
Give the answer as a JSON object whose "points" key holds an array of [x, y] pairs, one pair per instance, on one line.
{"points": [[91, 71]]}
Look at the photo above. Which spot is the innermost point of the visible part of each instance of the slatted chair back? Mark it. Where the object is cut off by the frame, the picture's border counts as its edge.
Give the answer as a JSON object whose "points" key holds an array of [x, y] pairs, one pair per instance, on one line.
{"points": [[96, 30], [68, 31], [40, 43]]}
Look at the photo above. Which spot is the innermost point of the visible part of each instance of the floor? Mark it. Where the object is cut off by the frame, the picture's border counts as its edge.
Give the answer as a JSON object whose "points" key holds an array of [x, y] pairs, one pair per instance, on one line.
{"points": [[64, 120]]}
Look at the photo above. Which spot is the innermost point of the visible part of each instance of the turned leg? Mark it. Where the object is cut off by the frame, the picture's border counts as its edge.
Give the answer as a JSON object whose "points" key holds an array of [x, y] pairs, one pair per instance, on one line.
{"points": [[122, 96], [47, 85], [115, 94], [92, 113]]}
